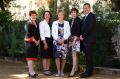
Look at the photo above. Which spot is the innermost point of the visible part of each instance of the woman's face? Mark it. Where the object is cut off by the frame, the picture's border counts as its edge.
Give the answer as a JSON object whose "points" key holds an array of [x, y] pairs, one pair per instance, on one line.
{"points": [[61, 16], [74, 14], [47, 16], [33, 17]]}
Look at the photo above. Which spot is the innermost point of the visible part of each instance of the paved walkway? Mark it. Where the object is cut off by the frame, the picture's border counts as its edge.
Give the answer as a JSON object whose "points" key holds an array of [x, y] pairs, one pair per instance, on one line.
{"points": [[19, 71]]}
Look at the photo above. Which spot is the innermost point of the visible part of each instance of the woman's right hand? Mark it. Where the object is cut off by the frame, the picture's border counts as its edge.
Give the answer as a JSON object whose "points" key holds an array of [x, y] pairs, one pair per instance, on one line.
{"points": [[36, 42], [45, 46]]}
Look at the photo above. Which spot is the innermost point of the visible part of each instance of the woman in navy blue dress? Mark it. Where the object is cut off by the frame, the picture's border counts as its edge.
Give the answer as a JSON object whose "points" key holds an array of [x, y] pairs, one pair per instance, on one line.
{"points": [[60, 33]]}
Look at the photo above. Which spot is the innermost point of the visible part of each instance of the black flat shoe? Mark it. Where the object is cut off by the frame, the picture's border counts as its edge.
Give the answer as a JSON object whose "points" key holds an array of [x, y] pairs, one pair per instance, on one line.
{"points": [[33, 76], [47, 73], [85, 75], [36, 74]]}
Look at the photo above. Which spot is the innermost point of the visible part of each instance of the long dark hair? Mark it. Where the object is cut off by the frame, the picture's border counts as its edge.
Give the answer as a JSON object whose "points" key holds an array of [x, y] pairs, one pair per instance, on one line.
{"points": [[49, 13]]}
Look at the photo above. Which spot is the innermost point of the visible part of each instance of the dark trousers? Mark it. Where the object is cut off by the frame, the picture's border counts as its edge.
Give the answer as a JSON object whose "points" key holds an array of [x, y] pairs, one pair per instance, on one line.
{"points": [[87, 49]]}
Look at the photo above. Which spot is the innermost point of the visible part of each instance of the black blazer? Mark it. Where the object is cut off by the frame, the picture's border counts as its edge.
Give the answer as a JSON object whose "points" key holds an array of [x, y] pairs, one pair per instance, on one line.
{"points": [[76, 27], [88, 28], [31, 30]]}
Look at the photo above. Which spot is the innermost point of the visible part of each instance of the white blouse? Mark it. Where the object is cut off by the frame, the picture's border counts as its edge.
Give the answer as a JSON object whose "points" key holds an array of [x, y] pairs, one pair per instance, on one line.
{"points": [[55, 30], [44, 30]]}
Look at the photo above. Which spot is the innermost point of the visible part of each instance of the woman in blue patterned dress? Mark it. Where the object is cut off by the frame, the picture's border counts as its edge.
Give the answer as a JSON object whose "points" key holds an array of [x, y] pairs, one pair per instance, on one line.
{"points": [[60, 33]]}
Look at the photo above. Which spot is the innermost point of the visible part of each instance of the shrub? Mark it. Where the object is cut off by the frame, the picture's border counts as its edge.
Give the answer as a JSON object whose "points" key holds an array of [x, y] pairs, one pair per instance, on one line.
{"points": [[11, 35]]}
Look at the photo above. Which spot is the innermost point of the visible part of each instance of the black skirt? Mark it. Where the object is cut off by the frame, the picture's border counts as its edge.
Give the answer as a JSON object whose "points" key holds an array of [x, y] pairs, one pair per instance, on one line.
{"points": [[31, 50], [49, 52]]}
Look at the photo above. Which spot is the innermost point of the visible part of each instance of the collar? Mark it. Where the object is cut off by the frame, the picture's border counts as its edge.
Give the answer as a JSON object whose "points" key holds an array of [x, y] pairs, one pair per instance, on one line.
{"points": [[87, 14]]}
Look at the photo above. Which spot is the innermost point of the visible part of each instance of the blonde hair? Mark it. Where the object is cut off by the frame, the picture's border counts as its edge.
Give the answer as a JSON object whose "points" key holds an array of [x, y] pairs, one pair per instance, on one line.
{"points": [[61, 11]]}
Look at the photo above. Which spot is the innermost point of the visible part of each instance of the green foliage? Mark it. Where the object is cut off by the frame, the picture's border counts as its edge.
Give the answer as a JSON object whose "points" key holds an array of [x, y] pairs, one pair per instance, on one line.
{"points": [[107, 22], [104, 50], [40, 13], [16, 41], [5, 22], [11, 35], [53, 9]]}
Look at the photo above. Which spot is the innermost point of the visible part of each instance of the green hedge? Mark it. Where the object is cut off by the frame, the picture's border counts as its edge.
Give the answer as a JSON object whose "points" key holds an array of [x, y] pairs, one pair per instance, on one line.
{"points": [[11, 35]]}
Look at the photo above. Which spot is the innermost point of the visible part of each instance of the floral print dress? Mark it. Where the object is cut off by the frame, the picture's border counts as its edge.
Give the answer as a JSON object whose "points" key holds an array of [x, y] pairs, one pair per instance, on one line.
{"points": [[60, 50]]}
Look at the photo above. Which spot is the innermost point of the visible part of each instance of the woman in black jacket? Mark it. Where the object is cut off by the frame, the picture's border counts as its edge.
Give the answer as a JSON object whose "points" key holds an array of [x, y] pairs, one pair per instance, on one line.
{"points": [[74, 41], [31, 42]]}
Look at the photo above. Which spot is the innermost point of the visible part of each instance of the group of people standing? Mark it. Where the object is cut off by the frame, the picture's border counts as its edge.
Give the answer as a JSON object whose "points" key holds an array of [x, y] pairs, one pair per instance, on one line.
{"points": [[57, 38]]}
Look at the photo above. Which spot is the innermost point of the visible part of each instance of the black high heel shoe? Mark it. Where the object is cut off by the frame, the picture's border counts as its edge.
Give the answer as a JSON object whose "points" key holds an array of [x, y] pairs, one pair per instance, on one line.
{"points": [[77, 72], [33, 76]]}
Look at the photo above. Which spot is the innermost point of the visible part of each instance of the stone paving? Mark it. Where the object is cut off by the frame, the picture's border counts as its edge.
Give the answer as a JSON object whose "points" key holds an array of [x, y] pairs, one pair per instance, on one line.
{"points": [[12, 70]]}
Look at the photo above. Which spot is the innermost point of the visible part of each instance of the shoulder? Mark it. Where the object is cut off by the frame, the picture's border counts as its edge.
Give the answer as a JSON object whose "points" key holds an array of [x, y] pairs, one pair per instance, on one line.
{"points": [[70, 20], [55, 23], [67, 22], [28, 23], [42, 22], [78, 19], [92, 14]]}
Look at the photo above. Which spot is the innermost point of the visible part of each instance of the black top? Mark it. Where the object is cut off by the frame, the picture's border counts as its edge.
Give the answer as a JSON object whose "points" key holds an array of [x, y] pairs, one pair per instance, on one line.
{"points": [[75, 26], [32, 30]]}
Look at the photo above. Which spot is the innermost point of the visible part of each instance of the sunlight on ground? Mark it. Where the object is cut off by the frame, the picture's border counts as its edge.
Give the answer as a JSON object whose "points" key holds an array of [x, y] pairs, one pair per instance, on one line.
{"points": [[20, 75]]}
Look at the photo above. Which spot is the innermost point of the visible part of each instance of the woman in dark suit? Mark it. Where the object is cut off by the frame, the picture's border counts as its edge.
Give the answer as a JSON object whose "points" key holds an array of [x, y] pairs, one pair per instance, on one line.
{"points": [[74, 41], [31, 42]]}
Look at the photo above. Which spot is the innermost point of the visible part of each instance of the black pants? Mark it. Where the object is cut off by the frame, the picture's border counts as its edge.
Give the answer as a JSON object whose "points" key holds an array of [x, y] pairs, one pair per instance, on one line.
{"points": [[87, 49]]}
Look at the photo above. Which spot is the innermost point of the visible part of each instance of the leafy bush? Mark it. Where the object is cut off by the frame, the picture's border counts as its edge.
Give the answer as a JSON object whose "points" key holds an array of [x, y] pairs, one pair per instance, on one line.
{"points": [[40, 13], [104, 50], [107, 22], [16, 47], [11, 35], [5, 23]]}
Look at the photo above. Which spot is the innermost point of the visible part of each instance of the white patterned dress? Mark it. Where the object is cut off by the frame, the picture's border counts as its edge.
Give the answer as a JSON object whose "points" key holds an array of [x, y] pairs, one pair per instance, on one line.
{"points": [[60, 50]]}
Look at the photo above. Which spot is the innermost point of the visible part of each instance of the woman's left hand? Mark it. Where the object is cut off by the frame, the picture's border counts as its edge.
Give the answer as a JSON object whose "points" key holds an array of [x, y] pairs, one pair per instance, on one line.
{"points": [[37, 43]]}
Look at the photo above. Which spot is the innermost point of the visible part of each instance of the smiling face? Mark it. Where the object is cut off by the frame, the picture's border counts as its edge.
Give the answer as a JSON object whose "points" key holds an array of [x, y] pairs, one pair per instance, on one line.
{"points": [[61, 15], [47, 16], [33, 17], [74, 14], [86, 9]]}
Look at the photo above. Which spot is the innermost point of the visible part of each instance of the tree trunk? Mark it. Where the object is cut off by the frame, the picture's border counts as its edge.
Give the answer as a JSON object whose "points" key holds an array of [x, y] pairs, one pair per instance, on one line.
{"points": [[2, 5]]}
